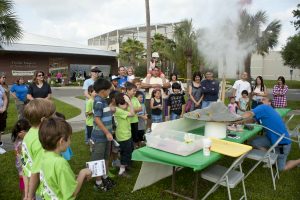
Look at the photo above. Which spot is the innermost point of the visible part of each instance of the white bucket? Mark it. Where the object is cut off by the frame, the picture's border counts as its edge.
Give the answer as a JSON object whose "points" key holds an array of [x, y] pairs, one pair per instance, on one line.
{"points": [[215, 129]]}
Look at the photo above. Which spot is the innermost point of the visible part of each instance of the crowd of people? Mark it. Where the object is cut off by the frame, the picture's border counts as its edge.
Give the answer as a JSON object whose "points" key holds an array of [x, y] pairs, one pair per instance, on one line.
{"points": [[119, 112]]}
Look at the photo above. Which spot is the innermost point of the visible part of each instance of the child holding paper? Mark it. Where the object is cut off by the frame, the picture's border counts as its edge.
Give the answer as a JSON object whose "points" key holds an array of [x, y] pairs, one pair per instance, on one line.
{"points": [[123, 131], [56, 176]]}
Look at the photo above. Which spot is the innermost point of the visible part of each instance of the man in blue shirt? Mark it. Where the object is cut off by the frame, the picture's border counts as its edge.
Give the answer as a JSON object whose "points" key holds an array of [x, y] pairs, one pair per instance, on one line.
{"points": [[269, 118], [210, 89], [122, 77]]}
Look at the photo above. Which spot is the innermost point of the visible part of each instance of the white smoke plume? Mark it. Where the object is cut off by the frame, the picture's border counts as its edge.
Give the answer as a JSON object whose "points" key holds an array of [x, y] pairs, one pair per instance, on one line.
{"points": [[218, 40]]}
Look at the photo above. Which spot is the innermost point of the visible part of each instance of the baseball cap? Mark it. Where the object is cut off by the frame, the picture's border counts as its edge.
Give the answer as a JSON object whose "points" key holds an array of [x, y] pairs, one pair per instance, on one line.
{"points": [[114, 77], [95, 69]]}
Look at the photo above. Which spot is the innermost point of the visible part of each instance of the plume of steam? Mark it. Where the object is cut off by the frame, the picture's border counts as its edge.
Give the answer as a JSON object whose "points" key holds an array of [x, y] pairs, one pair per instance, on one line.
{"points": [[218, 40]]}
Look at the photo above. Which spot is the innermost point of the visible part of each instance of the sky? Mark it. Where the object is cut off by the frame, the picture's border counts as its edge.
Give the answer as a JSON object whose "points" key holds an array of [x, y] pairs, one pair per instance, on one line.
{"points": [[77, 21]]}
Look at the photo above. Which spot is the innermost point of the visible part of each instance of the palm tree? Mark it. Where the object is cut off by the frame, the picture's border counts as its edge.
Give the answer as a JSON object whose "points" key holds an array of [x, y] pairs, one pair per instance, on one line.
{"points": [[250, 33], [131, 52], [148, 30], [165, 48], [10, 29], [186, 44]]}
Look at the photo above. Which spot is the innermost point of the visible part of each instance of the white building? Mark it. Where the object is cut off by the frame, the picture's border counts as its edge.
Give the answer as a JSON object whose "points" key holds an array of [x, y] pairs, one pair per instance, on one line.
{"points": [[111, 41], [270, 67]]}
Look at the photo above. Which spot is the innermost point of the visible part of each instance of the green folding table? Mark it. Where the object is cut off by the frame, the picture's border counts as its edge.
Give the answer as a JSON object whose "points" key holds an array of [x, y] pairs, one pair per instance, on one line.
{"points": [[197, 161]]}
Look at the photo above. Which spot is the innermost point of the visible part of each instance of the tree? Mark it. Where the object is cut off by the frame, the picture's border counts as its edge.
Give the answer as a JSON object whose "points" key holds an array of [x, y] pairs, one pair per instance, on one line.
{"points": [[296, 14], [148, 31], [186, 45], [165, 48], [291, 52], [10, 29], [131, 52], [250, 34]]}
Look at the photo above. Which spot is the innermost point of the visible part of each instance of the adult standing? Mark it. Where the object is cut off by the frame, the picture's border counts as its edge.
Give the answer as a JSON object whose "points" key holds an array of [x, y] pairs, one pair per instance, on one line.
{"points": [[88, 82], [122, 77], [39, 88], [94, 76], [174, 79], [279, 93], [5, 86], [241, 85], [210, 89], [3, 111], [155, 82], [19, 91], [270, 118], [259, 91], [195, 91]]}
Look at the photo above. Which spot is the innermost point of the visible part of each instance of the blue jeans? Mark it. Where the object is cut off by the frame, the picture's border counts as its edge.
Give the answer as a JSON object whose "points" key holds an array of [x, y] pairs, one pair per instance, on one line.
{"points": [[174, 116], [206, 103], [281, 150]]}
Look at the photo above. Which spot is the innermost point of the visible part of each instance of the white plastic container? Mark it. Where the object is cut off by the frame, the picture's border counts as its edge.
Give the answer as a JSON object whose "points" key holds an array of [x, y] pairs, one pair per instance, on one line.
{"points": [[206, 146], [176, 142]]}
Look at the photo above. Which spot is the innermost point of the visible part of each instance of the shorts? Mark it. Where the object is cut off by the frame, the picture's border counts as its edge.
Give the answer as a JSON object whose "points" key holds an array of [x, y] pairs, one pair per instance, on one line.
{"points": [[156, 118], [100, 151], [3, 117], [141, 135], [281, 150], [134, 131], [126, 149]]}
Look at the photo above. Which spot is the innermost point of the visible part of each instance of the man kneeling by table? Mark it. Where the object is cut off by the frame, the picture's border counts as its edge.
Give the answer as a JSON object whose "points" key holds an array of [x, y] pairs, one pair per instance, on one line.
{"points": [[268, 117]]}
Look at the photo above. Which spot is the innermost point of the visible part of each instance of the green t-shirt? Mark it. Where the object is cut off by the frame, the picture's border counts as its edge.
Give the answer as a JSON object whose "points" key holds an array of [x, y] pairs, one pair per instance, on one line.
{"points": [[136, 104], [56, 177], [89, 108], [32, 152], [123, 131]]}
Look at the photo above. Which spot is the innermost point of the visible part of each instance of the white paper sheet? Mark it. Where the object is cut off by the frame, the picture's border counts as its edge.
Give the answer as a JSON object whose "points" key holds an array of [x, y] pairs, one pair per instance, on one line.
{"points": [[97, 167]]}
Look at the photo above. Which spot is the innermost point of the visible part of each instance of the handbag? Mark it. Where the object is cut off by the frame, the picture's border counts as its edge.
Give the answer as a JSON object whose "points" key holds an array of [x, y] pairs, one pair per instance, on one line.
{"points": [[188, 105]]}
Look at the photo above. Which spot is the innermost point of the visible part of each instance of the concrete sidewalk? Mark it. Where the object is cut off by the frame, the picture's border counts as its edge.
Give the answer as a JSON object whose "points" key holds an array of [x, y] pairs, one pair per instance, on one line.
{"points": [[77, 123]]}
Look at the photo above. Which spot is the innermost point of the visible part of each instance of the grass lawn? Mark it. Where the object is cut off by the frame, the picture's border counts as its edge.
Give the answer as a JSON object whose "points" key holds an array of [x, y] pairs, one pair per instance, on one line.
{"points": [[80, 97], [258, 184], [68, 110]]}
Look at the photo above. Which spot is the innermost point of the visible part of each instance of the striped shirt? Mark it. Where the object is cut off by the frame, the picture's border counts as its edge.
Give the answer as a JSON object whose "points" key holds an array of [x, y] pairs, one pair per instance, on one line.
{"points": [[102, 111]]}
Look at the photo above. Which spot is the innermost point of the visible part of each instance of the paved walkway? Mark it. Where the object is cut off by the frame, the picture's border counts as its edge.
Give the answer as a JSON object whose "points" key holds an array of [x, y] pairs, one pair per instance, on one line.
{"points": [[77, 123]]}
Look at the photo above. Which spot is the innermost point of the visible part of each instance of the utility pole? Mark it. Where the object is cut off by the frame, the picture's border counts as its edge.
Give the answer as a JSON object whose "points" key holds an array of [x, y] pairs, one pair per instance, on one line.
{"points": [[148, 29]]}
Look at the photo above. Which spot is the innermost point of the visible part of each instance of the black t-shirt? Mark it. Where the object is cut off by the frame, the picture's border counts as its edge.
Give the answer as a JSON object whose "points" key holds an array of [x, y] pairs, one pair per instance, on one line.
{"points": [[37, 92], [175, 101], [156, 111]]}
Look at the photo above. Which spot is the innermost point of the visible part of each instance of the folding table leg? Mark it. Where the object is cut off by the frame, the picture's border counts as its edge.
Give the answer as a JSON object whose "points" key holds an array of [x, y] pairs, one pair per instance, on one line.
{"points": [[173, 179], [196, 186]]}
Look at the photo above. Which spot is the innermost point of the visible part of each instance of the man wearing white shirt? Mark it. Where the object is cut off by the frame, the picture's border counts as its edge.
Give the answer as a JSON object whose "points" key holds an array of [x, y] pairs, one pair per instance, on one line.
{"points": [[241, 85]]}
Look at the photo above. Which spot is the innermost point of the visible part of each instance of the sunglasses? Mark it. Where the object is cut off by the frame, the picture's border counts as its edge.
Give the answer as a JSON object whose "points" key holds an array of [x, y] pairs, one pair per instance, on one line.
{"points": [[3, 77], [40, 75]]}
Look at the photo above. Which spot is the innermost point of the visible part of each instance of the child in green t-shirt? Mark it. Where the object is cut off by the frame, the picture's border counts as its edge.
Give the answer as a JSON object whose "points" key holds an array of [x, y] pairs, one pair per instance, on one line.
{"points": [[134, 120], [56, 176], [32, 150], [123, 131], [89, 112]]}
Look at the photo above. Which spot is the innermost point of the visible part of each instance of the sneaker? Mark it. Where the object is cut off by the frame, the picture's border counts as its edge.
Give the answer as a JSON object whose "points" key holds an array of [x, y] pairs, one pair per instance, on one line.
{"points": [[101, 187], [125, 174], [1, 144], [108, 182], [148, 130]]}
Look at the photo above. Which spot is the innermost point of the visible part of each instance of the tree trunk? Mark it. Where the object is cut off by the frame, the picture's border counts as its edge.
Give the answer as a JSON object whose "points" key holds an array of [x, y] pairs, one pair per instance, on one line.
{"points": [[247, 65], [148, 30], [189, 69]]}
